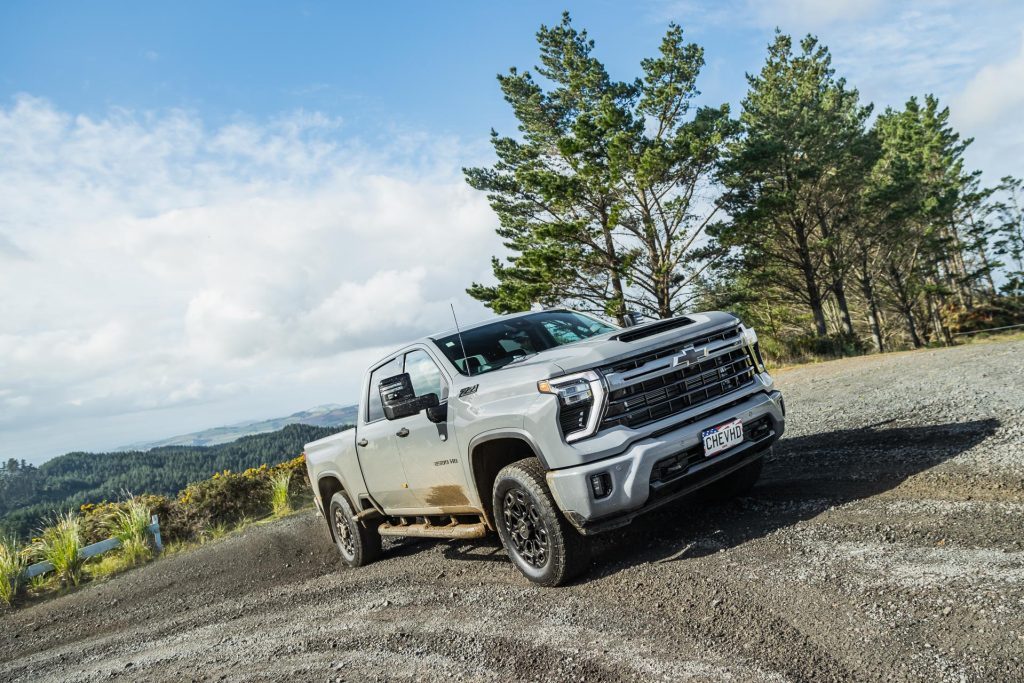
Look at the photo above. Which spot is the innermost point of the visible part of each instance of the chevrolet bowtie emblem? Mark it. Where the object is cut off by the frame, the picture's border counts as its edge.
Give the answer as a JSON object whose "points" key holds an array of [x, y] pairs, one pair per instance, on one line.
{"points": [[688, 356]]}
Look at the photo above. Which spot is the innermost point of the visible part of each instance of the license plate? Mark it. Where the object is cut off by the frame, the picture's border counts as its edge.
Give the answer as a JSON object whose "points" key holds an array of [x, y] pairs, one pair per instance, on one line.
{"points": [[722, 437]]}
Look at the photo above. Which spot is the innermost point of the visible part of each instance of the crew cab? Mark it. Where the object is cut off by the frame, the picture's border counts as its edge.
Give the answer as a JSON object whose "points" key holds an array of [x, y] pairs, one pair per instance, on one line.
{"points": [[545, 427]]}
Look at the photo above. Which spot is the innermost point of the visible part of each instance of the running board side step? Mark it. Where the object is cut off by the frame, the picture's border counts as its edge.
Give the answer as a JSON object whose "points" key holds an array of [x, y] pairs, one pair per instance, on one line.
{"points": [[457, 531]]}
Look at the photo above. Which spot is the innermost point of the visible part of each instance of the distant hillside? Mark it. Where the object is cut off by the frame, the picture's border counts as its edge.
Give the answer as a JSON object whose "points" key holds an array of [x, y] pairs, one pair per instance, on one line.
{"points": [[28, 494], [330, 415]]}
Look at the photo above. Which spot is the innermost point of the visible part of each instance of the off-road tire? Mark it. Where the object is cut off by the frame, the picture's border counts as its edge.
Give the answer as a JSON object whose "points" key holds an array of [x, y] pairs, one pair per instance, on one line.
{"points": [[357, 544], [565, 552]]}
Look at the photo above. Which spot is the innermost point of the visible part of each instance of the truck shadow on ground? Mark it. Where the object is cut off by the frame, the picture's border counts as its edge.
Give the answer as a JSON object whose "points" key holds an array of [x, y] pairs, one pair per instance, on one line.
{"points": [[805, 476]]}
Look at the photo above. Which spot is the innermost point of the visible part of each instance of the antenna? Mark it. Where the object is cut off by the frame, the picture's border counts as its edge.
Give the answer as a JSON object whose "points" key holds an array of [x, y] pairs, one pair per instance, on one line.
{"points": [[465, 358]]}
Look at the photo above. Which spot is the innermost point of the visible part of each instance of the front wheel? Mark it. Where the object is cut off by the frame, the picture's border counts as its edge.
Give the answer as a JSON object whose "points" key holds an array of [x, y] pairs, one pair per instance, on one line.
{"points": [[539, 541], [356, 544]]}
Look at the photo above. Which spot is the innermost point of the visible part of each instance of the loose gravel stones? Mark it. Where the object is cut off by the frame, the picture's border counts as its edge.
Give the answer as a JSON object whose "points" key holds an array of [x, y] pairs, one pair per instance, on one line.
{"points": [[884, 542]]}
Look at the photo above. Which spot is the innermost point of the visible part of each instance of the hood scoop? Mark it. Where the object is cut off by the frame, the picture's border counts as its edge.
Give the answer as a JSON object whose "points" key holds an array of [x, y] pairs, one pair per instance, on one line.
{"points": [[651, 329]]}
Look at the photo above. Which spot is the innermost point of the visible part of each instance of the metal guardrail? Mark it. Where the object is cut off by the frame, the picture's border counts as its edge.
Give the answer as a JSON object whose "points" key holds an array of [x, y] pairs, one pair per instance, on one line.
{"points": [[99, 548], [991, 329]]}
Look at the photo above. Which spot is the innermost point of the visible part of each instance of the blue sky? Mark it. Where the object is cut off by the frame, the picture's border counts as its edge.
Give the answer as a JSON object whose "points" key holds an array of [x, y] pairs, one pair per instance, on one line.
{"points": [[211, 212]]}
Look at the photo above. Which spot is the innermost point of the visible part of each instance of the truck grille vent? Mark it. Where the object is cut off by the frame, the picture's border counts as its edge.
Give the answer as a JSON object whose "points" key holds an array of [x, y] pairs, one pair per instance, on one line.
{"points": [[651, 329], [660, 397], [639, 361], [574, 419]]}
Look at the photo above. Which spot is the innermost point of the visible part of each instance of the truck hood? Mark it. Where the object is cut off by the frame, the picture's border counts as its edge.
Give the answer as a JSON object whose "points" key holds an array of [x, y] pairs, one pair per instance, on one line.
{"points": [[605, 349]]}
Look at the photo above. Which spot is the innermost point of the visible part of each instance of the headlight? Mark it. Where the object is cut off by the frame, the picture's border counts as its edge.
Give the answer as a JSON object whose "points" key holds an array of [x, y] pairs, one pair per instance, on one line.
{"points": [[750, 339], [749, 335], [580, 401]]}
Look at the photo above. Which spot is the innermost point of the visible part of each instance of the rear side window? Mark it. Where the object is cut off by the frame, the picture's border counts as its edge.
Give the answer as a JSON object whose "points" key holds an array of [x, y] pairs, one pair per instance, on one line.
{"points": [[374, 409]]}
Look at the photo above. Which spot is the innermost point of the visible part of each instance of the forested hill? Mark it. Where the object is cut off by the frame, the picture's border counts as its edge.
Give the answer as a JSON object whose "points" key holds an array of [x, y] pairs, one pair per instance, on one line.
{"points": [[28, 494]]}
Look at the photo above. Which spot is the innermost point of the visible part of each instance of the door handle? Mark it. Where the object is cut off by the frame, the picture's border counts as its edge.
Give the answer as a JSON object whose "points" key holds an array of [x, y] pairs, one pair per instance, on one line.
{"points": [[363, 442], [402, 432]]}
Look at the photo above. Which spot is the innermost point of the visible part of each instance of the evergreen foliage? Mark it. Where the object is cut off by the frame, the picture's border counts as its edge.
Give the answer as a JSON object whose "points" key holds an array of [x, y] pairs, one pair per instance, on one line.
{"points": [[601, 198], [829, 231]]}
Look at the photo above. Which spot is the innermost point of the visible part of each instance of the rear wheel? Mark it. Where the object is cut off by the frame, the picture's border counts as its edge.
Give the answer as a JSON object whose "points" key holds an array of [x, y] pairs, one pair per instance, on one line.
{"points": [[357, 544], [538, 539]]}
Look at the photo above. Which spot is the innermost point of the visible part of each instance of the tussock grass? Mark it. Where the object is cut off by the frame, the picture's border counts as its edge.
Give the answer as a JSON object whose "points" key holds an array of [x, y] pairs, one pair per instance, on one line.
{"points": [[60, 544], [129, 526], [215, 531], [12, 568], [280, 501]]}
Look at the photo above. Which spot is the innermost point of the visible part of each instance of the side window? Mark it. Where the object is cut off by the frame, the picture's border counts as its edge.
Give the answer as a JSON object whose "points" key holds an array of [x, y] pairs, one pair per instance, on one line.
{"points": [[425, 375], [374, 409]]}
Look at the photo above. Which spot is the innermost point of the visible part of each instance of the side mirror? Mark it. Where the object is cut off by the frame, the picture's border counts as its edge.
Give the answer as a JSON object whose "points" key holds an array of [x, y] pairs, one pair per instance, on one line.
{"points": [[399, 400], [630, 319], [439, 413]]}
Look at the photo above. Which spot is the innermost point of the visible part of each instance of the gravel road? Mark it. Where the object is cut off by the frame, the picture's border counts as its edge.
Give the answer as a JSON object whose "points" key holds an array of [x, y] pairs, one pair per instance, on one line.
{"points": [[883, 543]]}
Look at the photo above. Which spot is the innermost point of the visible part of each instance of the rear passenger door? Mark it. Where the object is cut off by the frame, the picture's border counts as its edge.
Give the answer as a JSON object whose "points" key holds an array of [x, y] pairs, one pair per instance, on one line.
{"points": [[430, 452]]}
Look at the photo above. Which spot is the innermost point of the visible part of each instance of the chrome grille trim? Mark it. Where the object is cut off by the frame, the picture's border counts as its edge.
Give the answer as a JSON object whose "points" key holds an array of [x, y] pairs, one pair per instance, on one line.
{"points": [[676, 378]]}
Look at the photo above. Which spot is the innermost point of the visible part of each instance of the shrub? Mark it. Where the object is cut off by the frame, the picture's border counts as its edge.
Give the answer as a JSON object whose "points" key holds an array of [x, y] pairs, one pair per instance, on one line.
{"points": [[225, 498], [280, 501], [999, 312], [12, 569], [60, 544], [129, 525]]}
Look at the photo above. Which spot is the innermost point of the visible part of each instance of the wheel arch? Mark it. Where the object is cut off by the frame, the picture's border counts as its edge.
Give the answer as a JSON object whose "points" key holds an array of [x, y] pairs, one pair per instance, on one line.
{"points": [[327, 484], [489, 453]]}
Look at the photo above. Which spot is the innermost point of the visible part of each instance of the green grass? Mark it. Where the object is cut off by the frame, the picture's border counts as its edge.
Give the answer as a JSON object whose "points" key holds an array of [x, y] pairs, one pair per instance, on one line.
{"points": [[279, 499], [215, 531], [129, 525], [60, 544], [12, 568]]}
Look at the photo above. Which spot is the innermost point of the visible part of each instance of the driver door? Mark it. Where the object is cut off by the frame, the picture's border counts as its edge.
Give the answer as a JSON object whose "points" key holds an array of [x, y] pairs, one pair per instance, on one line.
{"points": [[377, 445], [430, 451]]}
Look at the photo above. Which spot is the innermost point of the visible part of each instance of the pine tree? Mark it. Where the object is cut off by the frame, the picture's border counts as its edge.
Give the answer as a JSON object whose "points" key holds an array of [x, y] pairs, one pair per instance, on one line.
{"points": [[793, 179], [599, 198]]}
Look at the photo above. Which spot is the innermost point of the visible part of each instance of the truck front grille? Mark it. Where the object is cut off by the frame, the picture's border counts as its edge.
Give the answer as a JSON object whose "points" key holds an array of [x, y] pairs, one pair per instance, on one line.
{"points": [[661, 396]]}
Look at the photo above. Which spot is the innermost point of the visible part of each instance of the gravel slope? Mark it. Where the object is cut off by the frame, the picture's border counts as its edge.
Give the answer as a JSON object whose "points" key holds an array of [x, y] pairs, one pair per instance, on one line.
{"points": [[883, 543]]}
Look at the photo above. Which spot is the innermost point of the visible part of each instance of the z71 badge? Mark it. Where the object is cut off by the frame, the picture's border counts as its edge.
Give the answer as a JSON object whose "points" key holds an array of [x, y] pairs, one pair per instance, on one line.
{"points": [[468, 391]]}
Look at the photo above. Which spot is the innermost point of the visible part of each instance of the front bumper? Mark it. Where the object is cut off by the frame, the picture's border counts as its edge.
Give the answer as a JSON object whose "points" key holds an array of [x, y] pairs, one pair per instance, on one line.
{"points": [[630, 472]]}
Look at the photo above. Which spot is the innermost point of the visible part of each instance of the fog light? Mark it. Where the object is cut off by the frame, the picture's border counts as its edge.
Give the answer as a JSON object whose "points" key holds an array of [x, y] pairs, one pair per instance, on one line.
{"points": [[601, 485]]}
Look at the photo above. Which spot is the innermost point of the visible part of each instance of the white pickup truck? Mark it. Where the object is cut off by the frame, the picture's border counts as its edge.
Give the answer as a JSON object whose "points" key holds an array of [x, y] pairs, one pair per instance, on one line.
{"points": [[545, 427]]}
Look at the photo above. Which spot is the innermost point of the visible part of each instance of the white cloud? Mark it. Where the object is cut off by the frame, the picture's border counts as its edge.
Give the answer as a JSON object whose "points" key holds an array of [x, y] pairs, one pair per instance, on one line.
{"points": [[994, 92], [149, 262], [814, 14]]}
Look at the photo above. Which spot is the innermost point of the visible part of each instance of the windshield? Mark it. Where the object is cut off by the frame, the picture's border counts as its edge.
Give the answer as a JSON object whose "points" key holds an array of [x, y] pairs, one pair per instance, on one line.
{"points": [[497, 344]]}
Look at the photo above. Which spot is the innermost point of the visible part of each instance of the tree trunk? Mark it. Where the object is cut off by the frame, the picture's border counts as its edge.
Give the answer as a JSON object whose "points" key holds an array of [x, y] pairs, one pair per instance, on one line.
{"points": [[840, 290], [814, 299], [619, 297], [940, 330], [867, 288], [906, 306]]}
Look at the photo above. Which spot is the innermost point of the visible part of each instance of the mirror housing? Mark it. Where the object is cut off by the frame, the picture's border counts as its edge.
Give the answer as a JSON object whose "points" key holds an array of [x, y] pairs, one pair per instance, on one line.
{"points": [[630, 318], [439, 413], [399, 400]]}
